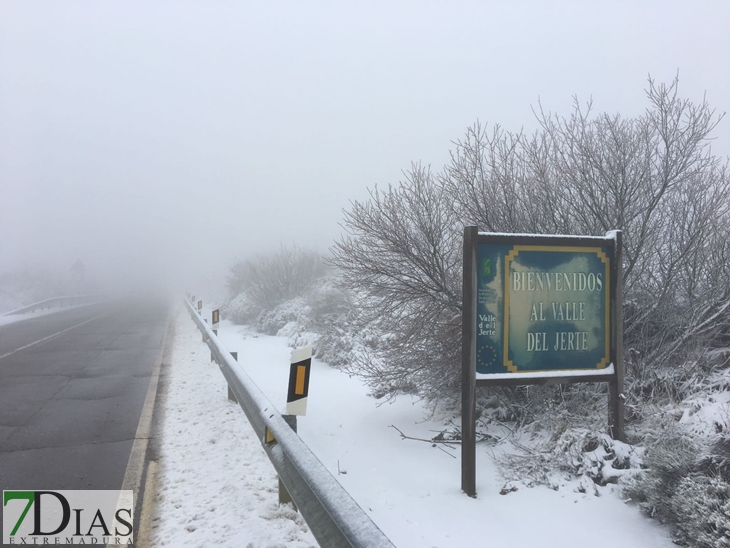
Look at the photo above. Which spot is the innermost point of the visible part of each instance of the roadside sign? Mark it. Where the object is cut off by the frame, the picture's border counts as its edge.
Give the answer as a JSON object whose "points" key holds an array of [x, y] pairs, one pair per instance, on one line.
{"points": [[539, 309], [542, 307]]}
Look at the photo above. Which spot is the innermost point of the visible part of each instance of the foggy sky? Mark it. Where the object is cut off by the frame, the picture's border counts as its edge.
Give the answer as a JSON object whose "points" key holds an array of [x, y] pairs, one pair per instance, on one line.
{"points": [[163, 135]]}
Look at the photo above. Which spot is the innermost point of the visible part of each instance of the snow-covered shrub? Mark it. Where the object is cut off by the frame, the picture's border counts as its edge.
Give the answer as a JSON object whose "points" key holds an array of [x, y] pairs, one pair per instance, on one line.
{"points": [[597, 456], [716, 461], [556, 408], [312, 310], [269, 280], [330, 316], [668, 462], [574, 454], [294, 310], [701, 509], [241, 310], [328, 302]]}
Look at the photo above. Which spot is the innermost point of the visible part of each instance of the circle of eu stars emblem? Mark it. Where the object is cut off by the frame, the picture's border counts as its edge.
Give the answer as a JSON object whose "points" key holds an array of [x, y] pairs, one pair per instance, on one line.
{"points": [[486, 356]]}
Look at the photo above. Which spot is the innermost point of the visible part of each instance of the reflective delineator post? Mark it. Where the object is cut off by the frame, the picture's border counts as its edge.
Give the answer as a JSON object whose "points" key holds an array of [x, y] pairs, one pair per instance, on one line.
{"points": [[296, 399], [301, 364]]}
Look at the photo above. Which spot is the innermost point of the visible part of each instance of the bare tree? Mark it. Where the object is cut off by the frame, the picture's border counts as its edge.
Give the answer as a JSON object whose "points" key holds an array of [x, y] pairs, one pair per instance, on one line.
{"points": [[653, 176], [401, 255]]}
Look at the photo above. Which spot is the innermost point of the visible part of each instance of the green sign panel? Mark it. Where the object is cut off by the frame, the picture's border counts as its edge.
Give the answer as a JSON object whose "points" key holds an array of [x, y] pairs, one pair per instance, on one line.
{"points": [[542, 308]]}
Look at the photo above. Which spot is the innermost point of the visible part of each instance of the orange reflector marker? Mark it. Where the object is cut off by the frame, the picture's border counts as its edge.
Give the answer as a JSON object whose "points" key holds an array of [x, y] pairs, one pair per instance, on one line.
{"points": [[301, 372]]}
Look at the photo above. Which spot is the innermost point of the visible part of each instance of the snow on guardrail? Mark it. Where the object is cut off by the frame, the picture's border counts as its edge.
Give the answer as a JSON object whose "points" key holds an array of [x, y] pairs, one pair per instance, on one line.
{"points": [[70, 300]]}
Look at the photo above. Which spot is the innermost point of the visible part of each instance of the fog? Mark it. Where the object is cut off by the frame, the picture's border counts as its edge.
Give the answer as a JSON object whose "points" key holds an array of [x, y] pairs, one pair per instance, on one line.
{"points": [[161, 140]]}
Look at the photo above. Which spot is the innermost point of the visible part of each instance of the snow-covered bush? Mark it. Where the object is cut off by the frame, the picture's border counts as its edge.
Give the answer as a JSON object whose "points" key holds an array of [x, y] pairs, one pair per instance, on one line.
{"points": [[331, 317], [716, 461], [241, 309], [311, 310], [668, 461], [576, 456], [686, 472], [269, 280], [701, 508], [292, 311]]}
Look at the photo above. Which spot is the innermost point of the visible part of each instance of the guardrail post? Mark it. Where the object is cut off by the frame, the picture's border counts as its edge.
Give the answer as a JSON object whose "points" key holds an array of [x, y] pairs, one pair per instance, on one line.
{"points": [[215, 332], [284, 496], [231, 395]]}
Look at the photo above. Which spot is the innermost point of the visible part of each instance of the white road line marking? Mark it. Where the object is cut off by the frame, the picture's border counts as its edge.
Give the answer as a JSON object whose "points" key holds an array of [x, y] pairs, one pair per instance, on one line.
{"points": [[137, 456], [39, 341]]}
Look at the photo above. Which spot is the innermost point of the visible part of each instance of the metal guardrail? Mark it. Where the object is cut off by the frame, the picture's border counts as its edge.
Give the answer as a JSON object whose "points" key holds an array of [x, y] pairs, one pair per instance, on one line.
{"points": [[54, 301], [334, 518]]}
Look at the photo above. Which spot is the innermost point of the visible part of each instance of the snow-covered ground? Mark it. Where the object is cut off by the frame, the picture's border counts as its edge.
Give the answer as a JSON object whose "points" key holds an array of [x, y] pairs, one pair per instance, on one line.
{"points": [[216, 486]]}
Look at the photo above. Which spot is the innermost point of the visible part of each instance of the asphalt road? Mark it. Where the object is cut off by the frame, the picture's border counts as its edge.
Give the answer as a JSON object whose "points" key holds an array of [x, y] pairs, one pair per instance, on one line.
{"points": [[70, 405]]}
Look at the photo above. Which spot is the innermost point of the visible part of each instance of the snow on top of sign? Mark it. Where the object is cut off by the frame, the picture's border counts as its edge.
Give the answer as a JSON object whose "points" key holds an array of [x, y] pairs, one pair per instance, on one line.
{"points": [[611, 235], [550, 374]]}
